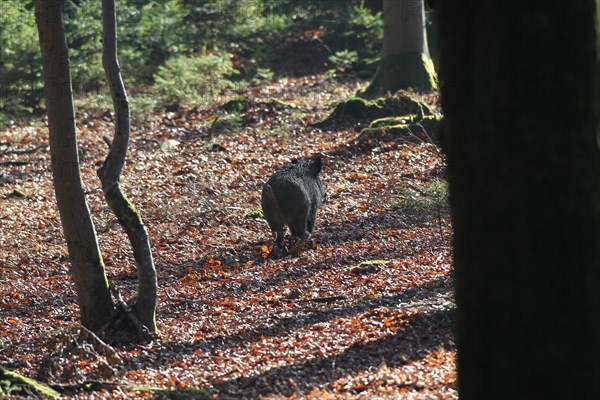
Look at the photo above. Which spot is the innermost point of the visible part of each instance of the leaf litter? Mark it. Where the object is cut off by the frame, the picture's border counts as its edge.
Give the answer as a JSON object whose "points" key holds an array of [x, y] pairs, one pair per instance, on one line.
{"points": [[365, 313]]}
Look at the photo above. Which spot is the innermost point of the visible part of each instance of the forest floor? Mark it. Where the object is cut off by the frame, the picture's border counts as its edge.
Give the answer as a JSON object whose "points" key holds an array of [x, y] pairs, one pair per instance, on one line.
{"points": [[364, 314]]}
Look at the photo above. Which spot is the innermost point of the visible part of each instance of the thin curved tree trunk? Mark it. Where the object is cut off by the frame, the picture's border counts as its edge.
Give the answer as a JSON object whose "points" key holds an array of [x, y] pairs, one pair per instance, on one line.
{"points": [[109, 173], [405, 60], [87, 267]]}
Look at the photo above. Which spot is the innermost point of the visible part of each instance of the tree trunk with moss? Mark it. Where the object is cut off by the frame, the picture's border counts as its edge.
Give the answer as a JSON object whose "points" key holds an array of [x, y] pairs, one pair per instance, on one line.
{"points": [[405, 60], [521, 100], [131, 220], [87, 267]]}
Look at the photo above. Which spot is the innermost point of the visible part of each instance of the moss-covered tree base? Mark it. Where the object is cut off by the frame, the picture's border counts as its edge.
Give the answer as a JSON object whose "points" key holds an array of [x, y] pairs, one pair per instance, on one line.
{"points": [[15, 385], [358, 109], [389, 117], [421, 128], [401, 71]]}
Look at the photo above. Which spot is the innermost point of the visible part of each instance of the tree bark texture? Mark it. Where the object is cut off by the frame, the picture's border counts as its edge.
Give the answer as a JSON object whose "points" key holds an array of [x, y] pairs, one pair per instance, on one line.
{"points": [[405, 60], [404, 27], [87, 267], [521, 98], [110, 172]]}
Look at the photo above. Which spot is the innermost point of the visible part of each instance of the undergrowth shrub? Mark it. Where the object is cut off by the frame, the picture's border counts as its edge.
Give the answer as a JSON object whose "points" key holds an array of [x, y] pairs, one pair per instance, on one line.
{"points": [[159, 38], [343, 60], [20, 60], [143, 107], [360, 32], [193, 81], [93, 104], [425, 202]]}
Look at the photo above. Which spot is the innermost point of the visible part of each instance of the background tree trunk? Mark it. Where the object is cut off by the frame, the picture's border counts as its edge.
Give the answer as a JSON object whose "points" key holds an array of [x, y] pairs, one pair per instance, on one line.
{"points": [[521, 97], [128, 216], [405, 60], [87, 267]]}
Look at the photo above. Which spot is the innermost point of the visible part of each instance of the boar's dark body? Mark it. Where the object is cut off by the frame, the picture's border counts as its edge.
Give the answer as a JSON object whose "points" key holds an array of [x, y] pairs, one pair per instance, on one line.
{"points": [[292, 197]]}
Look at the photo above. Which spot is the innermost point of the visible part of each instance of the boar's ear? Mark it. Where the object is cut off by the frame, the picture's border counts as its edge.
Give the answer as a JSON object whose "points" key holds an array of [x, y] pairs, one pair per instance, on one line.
{"points": [[316, 166]]}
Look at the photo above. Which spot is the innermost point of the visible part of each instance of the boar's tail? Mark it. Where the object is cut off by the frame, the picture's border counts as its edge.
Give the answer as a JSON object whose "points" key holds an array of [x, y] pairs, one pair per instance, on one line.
{"points": [[269, 201], [316, 165]]}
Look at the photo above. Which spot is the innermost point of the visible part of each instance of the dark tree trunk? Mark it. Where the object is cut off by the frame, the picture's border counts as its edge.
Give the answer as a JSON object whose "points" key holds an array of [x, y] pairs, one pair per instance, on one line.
{"points": [[87, 267], [128, 216], [521, 96]]}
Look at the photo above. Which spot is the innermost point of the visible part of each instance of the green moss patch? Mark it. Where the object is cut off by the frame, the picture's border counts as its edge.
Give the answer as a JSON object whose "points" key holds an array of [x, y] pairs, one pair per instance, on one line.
{"points": [[277, 104], [16, 193], [255, 214], [367, 267], [13, 384]]}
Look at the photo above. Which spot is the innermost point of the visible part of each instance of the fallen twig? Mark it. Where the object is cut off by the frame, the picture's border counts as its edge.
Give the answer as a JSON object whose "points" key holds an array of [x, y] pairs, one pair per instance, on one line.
{"points": [[27, 151], [136, 322], [325, 299], [17, 163]]}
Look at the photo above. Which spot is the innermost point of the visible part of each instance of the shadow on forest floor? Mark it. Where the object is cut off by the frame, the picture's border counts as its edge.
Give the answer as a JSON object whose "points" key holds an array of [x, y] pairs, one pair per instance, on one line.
{"points": [[429, 327], [430, 330]]}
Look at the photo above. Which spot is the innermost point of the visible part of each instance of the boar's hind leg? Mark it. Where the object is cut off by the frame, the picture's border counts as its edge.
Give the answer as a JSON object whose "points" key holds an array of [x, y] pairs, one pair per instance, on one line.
{"points": [[311, 220], [277, 230], [279, 246], [299, 231]]}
